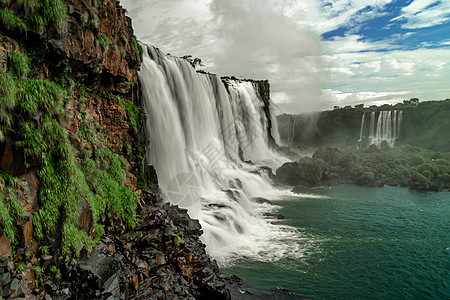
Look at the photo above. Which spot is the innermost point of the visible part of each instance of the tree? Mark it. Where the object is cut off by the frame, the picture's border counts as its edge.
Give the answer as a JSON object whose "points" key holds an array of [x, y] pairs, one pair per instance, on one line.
{"points": [[195, 62]]}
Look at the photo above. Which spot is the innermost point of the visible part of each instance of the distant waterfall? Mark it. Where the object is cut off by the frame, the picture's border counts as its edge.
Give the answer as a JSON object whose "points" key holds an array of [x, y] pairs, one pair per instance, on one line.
{"points": [[377, 127], [291, 131], [207, 139]]}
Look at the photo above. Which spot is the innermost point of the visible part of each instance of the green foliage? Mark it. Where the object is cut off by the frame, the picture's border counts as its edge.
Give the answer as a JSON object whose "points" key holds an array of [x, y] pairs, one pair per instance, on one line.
{"points": [[10, 209], [105, 175], [45, 94], [11, 21], [8, 99], [177, 240], [26, 96], [415, 160], [38, 271], [37, 22], [103, 41], [93, 23], [18, 64], [84, 18], [54, 13], [21, 267], [310, 169], [137, 49], [31, 140], [405, 165], [45, 14], [133, 113]]}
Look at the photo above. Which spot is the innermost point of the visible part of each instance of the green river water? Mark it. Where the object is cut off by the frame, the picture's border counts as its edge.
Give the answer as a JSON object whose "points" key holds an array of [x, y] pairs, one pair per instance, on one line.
{"points": [[362, 243]]}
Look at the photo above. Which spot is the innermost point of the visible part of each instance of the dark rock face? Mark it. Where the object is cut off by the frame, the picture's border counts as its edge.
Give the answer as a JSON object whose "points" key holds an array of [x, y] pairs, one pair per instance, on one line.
{"points": [[108, 68], [161, 258]]}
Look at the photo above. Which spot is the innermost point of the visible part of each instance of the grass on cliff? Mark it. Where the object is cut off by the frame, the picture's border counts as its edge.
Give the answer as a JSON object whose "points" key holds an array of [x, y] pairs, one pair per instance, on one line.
{"points": [[137, 49], [41, 13], [65, 180], [11, 21], [103, 41], [10, 209]]}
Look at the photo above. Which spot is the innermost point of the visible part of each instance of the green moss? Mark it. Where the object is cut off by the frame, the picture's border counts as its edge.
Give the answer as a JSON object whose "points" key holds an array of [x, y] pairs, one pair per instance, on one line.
{"points": [[8, 90], [137, 49], [94, 23], [19, 64], [11, 21], [48, 95], [37, 22], [63, 183], [31, 142], [10, 209], [105, 175], [133, 113], [84, 17], [30, 5], [103, 41], [54, 13]]}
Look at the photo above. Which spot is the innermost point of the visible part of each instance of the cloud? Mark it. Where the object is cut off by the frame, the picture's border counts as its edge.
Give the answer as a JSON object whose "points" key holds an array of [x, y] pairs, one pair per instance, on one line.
{"points": [[349, 13], [384, 76], [262, 41], [280, 40], [425, 13]]}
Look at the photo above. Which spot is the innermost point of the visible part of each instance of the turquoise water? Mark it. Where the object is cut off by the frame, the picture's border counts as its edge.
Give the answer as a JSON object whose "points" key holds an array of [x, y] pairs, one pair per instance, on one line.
{"points": [[362, 243]]}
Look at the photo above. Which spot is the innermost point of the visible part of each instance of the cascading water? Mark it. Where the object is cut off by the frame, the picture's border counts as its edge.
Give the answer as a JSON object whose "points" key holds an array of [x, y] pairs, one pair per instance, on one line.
{"points": [[202, 134], [379, 127]]}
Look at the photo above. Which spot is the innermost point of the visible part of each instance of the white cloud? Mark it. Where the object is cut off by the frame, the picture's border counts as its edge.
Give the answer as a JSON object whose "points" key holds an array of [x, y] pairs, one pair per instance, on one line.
{"points": [[384, 76], [280, 97], [279, 40], [425, 13]]}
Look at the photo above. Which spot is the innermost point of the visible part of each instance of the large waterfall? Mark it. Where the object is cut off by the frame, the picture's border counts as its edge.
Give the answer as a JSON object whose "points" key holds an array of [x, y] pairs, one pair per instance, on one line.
{"points": [[208, 142], [379, 127]]}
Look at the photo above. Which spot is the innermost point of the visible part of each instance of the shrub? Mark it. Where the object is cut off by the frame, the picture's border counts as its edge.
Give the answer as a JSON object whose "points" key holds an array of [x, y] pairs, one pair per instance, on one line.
{"points": [[366, 178], [428, 167], [415, 160], [420, 181]]}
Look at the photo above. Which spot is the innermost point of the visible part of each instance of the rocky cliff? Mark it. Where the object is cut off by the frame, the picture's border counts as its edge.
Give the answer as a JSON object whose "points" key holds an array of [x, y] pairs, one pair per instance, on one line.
{"points": [[79, 211]]}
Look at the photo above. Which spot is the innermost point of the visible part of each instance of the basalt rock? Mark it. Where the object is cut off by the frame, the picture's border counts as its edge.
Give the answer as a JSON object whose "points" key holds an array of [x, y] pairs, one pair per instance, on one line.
{"points": [[162, 258]]}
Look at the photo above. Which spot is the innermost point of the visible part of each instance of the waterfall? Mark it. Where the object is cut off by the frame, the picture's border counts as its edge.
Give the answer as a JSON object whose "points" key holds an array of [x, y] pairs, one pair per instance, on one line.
{"points": [[382, 126], [207, 139], [291, 132]]}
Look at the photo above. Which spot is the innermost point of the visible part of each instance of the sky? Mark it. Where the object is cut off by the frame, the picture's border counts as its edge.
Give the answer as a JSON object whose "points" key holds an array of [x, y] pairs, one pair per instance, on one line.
{"points": [[316, 54]]}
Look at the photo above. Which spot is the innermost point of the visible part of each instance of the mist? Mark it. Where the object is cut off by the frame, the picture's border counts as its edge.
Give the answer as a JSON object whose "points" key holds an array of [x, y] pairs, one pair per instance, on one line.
{"points": [[258, 41]]}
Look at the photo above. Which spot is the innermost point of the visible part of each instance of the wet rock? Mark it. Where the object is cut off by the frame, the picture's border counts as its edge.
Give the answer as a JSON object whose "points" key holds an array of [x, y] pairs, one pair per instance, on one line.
{"points": [[85, 219], [5, 246], [260, 200]]}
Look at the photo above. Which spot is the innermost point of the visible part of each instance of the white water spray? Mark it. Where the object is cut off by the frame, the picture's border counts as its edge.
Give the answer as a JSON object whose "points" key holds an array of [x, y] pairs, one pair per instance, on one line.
{"points": [[207, 140]]}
